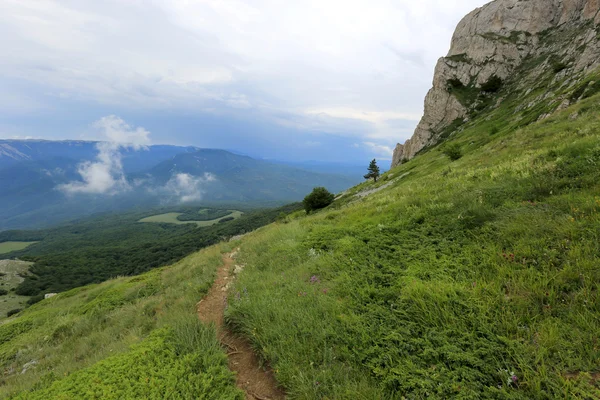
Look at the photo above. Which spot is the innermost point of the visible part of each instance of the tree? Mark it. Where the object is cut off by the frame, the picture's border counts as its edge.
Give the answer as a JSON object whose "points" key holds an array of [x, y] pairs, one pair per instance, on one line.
{"points": [[317, 199], [373, 171]]}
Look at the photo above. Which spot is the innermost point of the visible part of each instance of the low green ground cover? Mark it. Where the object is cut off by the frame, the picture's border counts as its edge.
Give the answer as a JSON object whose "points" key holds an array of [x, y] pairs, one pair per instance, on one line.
{"points": [[468, 279], [136, 337], [11, 275], [205, 214], [175, 218], [7, 247]]}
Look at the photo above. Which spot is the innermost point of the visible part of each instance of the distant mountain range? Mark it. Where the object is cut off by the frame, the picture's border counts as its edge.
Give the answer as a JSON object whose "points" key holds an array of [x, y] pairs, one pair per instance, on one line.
{"points": [[42, 182]]}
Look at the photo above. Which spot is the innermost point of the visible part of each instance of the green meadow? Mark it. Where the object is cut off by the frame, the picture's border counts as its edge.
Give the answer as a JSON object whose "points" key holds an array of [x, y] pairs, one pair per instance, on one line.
{"points": [[172, 218], [7, 247]]}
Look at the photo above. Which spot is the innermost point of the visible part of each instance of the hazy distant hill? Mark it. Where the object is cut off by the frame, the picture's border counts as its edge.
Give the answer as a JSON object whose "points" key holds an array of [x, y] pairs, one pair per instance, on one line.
{"points": [[32, 171]]}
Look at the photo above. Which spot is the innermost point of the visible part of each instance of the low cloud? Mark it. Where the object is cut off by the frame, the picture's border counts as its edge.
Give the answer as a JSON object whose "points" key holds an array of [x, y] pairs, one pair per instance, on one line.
{"points": [[105, 174], [379, 149], [186, 188]]}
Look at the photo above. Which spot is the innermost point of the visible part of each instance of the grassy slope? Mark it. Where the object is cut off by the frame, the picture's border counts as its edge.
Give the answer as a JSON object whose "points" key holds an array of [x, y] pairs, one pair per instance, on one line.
{"points": [[448, 282], [133, 337], [10, 278]]}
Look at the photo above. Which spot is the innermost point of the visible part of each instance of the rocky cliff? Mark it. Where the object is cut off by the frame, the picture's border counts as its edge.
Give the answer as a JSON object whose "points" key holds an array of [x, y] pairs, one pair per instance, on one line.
{"points": [[507, 47]]}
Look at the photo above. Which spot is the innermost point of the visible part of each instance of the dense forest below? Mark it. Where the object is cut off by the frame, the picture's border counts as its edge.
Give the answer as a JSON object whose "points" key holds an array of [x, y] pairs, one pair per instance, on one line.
{"points": [[96, 249]]}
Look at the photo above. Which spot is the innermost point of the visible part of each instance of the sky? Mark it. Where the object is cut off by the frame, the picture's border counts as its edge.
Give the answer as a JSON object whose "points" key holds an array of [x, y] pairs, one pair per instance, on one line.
{"points": [[326, 80]]}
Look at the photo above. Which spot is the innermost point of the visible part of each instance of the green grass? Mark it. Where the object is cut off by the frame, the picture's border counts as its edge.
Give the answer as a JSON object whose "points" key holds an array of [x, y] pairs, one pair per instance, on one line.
{"points": [[446, 283], [136, 337], [10, 277], [7, 247], [171, 218]]}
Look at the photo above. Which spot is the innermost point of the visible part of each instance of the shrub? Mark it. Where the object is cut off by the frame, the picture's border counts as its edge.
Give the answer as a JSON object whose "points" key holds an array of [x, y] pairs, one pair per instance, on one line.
{"points": [[453, 151], [13, 312], [494, 130], [3, 292], [35, 299], [317, 199]]}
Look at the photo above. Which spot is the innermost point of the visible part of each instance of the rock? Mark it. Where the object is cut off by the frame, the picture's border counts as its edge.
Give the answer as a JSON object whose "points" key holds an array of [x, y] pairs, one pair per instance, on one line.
{"points": [[28, 366], [495, 40], [238, 269], [48, 295]]}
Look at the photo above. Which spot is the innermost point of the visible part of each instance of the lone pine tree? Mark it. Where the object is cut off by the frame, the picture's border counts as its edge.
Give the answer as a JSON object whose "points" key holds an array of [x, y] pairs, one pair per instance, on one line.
{"points": [[373, 171]]}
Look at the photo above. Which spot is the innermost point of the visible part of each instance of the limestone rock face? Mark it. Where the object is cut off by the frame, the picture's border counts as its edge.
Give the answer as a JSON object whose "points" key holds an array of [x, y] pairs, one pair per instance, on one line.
{"points": [[496, 40]]}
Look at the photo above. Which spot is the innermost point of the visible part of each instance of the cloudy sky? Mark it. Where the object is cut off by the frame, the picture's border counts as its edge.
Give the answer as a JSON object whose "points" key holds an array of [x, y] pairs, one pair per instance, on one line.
{"points": [[338, 80]]}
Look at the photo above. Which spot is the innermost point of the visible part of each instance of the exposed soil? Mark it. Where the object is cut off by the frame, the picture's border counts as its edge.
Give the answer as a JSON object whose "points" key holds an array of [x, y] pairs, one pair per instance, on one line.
{"points": [[256, 382]]}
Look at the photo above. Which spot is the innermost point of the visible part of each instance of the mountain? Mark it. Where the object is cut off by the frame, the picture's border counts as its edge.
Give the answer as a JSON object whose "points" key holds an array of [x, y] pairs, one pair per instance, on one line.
{"points": [[468, 271], [13, 152], [32, 174], [348, 169], [241, 178], [541, 50]]}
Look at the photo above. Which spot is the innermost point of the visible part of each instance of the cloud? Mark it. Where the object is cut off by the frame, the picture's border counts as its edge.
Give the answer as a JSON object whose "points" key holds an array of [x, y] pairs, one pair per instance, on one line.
{"points": [[356, 63], [379, 149], [105, 174], [186, 188]]}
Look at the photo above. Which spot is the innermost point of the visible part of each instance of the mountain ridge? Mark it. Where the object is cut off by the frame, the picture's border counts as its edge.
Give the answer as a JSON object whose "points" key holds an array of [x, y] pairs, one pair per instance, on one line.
{"points": [[508, 43]]}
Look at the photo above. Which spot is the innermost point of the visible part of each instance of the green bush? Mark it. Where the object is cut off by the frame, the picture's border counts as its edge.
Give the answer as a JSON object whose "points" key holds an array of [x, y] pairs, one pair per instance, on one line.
{"points": [[3, 292], [319, 198], [453, 151], [13, 312]]}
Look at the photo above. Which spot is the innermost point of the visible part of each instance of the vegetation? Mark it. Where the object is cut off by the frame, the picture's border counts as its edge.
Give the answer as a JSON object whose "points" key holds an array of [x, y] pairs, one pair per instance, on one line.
{"points": [[317, 199], [492, 85], [8, 247], [205, 214], [202, 221], [453, 151], [11, 275], [470, 279], [373, 171], [12, 312], [127, 338], [94, 250]]}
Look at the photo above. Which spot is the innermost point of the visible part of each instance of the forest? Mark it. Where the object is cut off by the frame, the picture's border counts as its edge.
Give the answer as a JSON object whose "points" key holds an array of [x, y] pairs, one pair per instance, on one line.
{"points": [[103, 247]]}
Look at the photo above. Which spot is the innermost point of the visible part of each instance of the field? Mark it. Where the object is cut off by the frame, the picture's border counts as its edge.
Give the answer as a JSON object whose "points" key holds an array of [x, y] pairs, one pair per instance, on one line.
{"points": [[136, 337], [10, 279], [171, 218], [7, 247]]}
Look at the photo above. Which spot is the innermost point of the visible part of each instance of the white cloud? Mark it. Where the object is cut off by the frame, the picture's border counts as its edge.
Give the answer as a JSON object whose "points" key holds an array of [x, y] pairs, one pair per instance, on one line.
{"points": [[105, 174], [378, 149], [362, 60], [186, 188]]}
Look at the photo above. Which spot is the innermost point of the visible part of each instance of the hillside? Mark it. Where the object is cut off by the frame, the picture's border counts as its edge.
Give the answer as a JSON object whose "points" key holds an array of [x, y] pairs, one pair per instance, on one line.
{"points": [[474, 278], [93, 250], [468, 271]]}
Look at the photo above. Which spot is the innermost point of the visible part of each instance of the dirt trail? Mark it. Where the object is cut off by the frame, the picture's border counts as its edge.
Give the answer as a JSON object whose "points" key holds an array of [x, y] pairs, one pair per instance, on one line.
{"points": [[259, 384]]}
